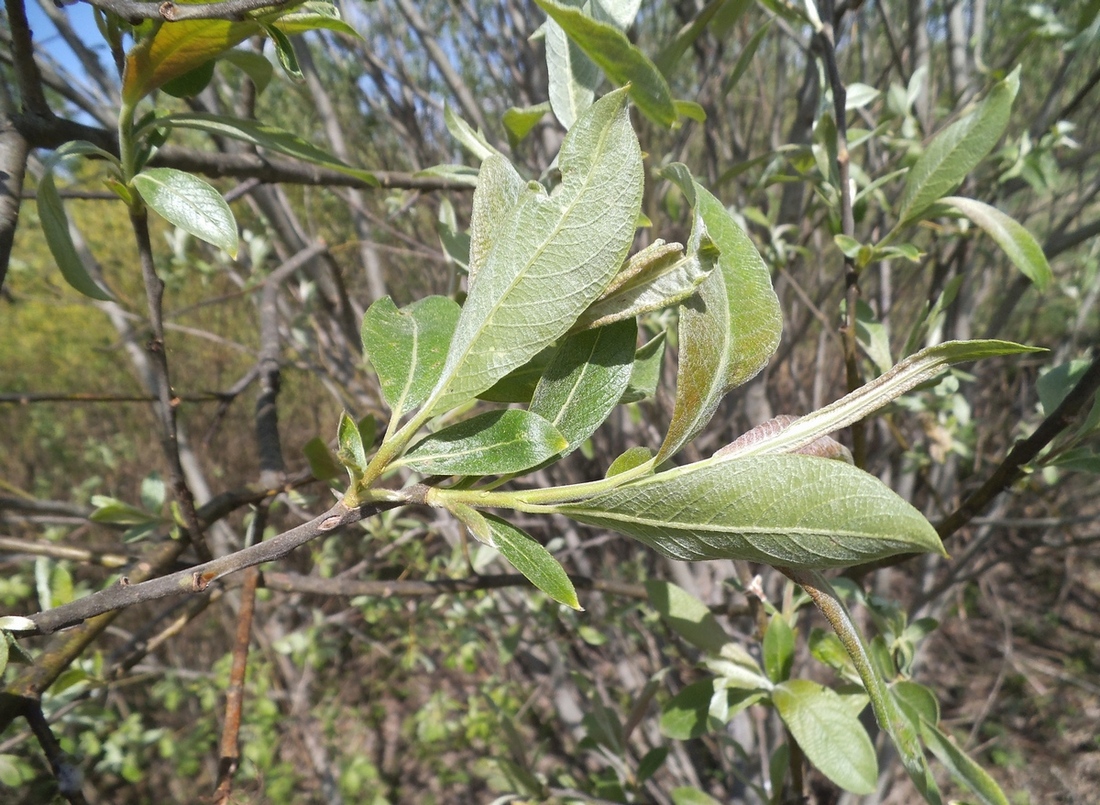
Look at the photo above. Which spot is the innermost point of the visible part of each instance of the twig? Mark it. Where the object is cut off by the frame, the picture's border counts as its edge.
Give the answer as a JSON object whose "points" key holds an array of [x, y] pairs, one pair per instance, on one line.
{"points": [[234, 695], [40, 548], [169, 11]]}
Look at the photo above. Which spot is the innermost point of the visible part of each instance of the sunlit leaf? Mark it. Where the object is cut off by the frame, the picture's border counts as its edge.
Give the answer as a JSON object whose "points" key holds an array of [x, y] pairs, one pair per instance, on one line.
{"points": [[572, 76], [832, 737], [530, 558], [956, 150], [190, 203], [552, 259], [499, 187], [786, 510], [519, 122], [687, 615], [1016, 242]]}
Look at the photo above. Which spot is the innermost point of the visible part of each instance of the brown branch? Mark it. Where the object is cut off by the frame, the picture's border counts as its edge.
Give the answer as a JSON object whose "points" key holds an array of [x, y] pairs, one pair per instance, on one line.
{"points": [[85, 555], [132, 11], [234, 695], [28, 397], [195, 579]]}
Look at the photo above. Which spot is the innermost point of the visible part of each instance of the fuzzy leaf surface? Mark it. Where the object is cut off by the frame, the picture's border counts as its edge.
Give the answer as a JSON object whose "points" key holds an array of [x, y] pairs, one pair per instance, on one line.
{"points": [[498, 190], [585, 379], [728, 330], [407, 346], [552, 258], [829, 733], [493, 443], [1016, 242], [787, 510]]}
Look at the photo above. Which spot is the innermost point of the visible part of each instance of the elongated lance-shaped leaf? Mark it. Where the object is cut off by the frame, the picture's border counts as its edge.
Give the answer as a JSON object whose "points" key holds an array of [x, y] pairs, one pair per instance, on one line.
{"points": [[728, 331], [831, 735], [473, 141], [572, 76], [961, 766], [956, 150], [519, 121], [624, 64], [647, 370], [55, 226], [493, 443], [190, 203], [498, 190], [552, 259], [407, 347], [1018, 244], [659, 276], [583, 383], [795, 511], [263, 135], [867, 399], [530, 558]]}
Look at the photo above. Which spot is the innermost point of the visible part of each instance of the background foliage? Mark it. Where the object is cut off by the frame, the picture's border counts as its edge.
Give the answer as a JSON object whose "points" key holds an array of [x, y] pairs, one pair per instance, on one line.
{"points": [[363, 686]]}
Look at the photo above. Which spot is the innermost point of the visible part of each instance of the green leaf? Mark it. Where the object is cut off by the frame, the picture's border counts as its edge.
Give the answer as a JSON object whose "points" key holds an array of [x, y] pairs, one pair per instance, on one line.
{"points": [[254, 65], [686, 36], [407, 346], [519, 122], [872, 337], [352, 453], [833, 739], [687, 615], [687, 714], [190, 83], [585, 380], [956, 150], [786, 510], [190, 203], [463, 132], [116, 512], [55, 226], [553, 257], [153, 492], [919, 699], [745, 58], [1018, 244], [518, 386], [659, 276], [728, 331], [778, 649], [647, 370], [688, 795], [862, 402], [624, 64], [531, 559], [262, 135], [572, 76], [499, 188], [734, 668], [284, 50], [631, 458], [961, 766], [650, 763], [493, 443], [322, 463]]}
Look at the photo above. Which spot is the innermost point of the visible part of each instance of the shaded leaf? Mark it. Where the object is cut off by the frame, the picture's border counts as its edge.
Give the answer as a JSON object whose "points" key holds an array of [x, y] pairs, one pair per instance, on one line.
{"points": [[190, 83], [552, 258], [686, 615], [322, 463], [956, 150], [530, 558], [585, 380], [687, 35], [493, 443], [1016, 242], [254, 65], [728, 331], [686, 715], [745, 58], [55, 226], [647, 370], [631, 458], [795, 511], [623, 63], [832, 737], [407, 347], [572, 76], [190, 203], [518, 386], [778, 649]]}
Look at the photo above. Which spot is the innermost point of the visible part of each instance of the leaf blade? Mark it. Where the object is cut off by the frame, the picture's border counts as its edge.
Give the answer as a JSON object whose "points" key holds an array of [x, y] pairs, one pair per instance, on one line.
{"points": [[530, 558], [190, 203], [1016, 242], [493, 443]]}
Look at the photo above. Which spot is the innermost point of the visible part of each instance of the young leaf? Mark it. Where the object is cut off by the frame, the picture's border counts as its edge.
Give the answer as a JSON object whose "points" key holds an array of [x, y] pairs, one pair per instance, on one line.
{"points": [[55, 226], [553, 257], [499, 187], [956, 150], [833, 738], [647, 370], [585, 379], [352, 453], [322, 463], [263, 135], [687, 615], [285, 51], [867, 399], [519, 122], [745, 58], [472, 141], [493, 443], [686, 715], [573, 76], [407, 346], [191, 204], [727, 331], [631, 458], [624, 64], [778, 649], [531, 559], [796, 511], [1018, 244], [961, 766]]}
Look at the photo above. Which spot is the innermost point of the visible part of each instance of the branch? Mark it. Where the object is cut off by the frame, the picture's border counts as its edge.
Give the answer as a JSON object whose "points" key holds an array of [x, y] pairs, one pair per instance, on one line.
{"points": [[197, 579], [173, 12]]}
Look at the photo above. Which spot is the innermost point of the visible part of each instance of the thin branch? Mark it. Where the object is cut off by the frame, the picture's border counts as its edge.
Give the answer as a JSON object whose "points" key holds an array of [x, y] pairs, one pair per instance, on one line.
{"points": [[169, 11], [28, 397], [85, 555], [234, 695]]}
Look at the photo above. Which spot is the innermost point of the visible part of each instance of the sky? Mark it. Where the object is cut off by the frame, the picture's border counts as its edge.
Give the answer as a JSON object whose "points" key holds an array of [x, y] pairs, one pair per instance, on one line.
{"points": [[45, 34]]}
